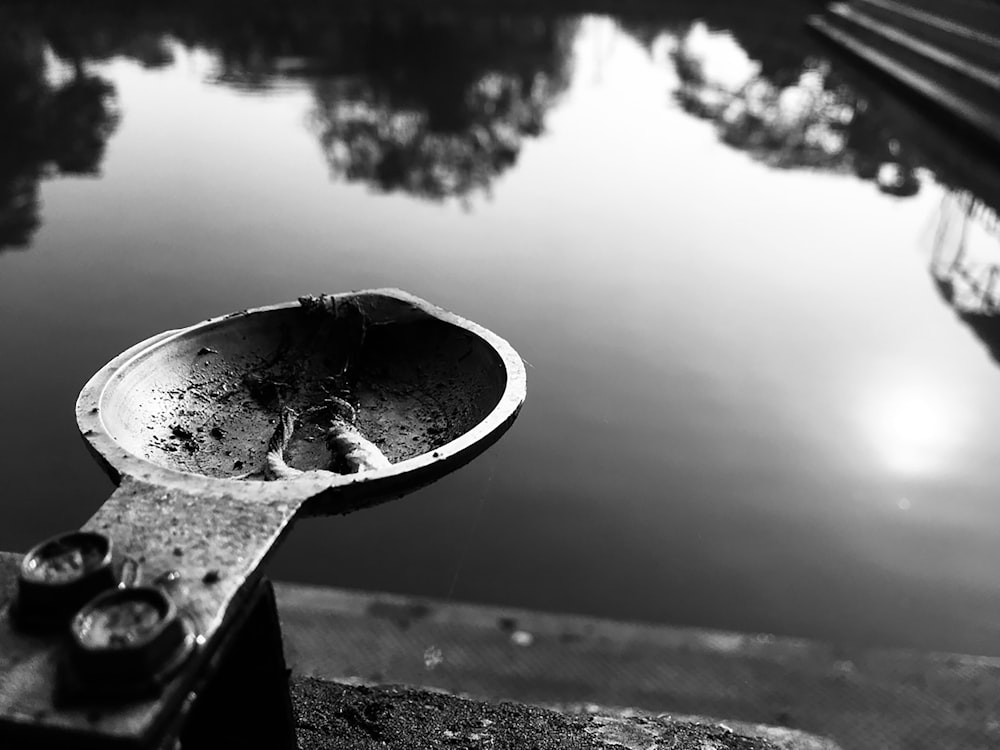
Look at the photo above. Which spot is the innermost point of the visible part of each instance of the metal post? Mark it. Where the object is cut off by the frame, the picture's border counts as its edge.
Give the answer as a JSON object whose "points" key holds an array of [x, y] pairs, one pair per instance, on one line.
{"points": [[247, 704]]}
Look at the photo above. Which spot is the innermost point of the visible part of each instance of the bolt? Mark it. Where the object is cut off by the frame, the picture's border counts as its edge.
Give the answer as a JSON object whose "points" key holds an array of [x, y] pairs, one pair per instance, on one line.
{"points": [[126, 639], [61, 574]]}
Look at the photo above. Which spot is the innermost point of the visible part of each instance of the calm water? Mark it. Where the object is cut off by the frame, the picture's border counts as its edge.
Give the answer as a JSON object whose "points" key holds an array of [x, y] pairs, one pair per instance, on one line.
{"points": [[750, 406]]}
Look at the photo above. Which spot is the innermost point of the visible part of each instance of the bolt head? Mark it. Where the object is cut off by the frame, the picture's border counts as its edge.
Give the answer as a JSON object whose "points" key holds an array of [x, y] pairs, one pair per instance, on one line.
{"points": [[125, 640], [60, 575]]}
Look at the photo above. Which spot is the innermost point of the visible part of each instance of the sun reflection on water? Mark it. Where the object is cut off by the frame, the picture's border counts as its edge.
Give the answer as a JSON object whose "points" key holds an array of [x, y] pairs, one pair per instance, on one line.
{"points": [[915, 427]]}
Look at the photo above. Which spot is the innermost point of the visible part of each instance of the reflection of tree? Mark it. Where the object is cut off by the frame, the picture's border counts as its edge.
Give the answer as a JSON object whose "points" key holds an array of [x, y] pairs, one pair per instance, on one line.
{"points": [[444, 106], [431, 104], [790, 110], [879, 134], [806, 122], [47, 128], [435, 106]]}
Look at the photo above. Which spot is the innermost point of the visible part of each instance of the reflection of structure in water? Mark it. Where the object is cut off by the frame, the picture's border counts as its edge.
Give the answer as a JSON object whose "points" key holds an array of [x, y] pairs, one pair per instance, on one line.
{"points": [[970, 285]]}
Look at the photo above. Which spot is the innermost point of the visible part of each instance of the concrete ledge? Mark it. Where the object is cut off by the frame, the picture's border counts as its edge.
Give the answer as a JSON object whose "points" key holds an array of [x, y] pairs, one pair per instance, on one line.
{"points": [[333, 716], [862, 698]]}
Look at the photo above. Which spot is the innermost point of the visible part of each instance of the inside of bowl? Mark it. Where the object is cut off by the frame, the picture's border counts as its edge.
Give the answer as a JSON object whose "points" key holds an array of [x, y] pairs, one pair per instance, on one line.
{"points": [[208, 400]]}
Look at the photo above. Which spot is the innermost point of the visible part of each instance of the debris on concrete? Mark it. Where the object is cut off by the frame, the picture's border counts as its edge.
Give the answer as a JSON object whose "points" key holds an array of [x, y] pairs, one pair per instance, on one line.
{"points": [[334, 716]]}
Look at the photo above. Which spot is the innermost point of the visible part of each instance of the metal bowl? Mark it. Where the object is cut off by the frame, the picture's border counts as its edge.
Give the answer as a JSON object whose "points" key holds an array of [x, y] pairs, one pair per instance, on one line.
{"points": [[431, 390]]}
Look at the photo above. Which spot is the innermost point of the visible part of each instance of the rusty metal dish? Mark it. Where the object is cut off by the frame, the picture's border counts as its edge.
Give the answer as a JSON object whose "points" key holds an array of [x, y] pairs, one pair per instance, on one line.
{"points": [[432, 391]]}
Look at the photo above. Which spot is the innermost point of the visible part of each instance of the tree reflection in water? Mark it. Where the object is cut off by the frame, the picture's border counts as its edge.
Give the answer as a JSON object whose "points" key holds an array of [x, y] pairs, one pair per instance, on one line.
{"points": [[805, 121], [436, 106], [432, 104], [49, 127], [444, 106]]}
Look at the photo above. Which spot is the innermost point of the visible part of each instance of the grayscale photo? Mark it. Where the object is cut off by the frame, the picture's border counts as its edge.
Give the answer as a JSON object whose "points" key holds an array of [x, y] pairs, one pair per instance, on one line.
{"points": [[500, 374]]}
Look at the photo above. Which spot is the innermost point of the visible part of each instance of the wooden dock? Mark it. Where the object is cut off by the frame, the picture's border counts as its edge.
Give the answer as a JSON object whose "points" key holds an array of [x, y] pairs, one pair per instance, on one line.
{"points": [[863, 699], [946, 51]]}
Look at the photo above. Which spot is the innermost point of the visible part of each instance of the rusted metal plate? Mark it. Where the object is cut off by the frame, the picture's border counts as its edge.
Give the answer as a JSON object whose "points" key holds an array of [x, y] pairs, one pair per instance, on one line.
{"points": [[228, 545], [211, 542], [28, 668], [182, 422]]}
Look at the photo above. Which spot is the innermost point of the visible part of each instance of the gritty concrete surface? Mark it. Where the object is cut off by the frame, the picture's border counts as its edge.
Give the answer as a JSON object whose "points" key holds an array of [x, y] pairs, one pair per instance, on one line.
{"points": [[334, 716], [862, 698]]}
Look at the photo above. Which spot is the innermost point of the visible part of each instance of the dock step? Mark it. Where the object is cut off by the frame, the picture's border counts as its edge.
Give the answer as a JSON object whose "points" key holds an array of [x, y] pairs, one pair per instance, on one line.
{"points": [[989, 76], [976, 29], [930, 48]]}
